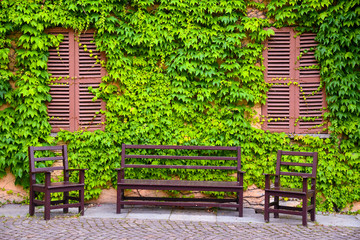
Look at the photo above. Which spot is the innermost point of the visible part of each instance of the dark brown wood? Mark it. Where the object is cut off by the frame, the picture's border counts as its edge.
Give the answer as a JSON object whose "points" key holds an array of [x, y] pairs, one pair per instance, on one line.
{"points": [[180, 185], [303, 193], [48, 187]]}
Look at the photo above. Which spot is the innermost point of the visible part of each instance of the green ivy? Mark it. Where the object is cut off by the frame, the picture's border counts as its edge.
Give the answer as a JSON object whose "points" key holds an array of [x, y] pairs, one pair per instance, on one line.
{"points": [[181, 73]]}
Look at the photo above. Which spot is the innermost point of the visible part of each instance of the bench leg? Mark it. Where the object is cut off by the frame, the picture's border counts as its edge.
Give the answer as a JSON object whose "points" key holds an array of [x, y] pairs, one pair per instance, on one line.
{"points": [[81, 199], [47, 200], [276, 206], [266, 207], [66, 201]]}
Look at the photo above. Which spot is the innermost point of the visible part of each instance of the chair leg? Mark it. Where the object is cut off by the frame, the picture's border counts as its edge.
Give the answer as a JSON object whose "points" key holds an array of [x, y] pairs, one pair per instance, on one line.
{"points": [[266, 207], [276, 206], [240, 203], [313, 211], [66, 201], [31, 203], [47, 200], [304, 212], [81, 199], [119, 198]]}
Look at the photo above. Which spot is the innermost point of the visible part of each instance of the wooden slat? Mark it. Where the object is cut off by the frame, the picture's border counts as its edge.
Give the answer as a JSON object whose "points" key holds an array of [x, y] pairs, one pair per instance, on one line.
{"points": [[181, 157], [178, 166], [48, 159], [180, 147]]}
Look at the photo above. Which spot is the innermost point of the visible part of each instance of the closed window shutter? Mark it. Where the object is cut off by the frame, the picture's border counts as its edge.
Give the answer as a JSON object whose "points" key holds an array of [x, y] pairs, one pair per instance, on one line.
{"points": [[88, 67], [310, 106], [278, 110], [295, 103], [278, 55], [59, 58], [72, 107], [88, 109], [59, 107]]}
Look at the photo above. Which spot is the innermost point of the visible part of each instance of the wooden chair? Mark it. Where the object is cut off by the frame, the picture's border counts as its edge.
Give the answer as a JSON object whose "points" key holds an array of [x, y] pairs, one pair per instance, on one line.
{"points": [[308, 171], [49, 187]]}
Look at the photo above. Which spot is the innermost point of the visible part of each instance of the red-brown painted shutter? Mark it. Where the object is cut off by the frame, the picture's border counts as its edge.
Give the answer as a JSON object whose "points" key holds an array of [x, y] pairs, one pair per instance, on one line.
{"points": [[278, 59], [278, 110], [90, 72], [59, 107], [278, 55], [59, 58], [307, 60], [294, 104], [311, 102], [311, 99], [88, 67], [72, 107], [88, 109]]}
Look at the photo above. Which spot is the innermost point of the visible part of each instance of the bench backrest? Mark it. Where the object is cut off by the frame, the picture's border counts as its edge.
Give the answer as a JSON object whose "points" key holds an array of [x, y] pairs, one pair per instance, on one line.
{"points": [[57, 153], [305, 168], [237, 158]]}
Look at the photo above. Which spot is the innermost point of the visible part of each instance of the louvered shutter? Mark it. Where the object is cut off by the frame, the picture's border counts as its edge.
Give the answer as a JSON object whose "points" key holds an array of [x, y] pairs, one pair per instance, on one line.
{"points": [[72, 107], [311, 99], [278, 110], [59, 58], [278, 55], [310, 107], [88, 109], [292, 108], [59, 107], [90, 73], [60, 64]]}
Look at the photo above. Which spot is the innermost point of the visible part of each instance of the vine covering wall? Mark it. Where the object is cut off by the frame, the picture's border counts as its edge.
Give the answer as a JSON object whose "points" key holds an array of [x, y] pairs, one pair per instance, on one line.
{"points": [[181, 72]]}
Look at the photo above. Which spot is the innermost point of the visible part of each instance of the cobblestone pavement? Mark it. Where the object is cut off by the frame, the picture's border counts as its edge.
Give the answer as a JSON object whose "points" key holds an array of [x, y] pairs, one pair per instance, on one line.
{"points": [[107, 228]]}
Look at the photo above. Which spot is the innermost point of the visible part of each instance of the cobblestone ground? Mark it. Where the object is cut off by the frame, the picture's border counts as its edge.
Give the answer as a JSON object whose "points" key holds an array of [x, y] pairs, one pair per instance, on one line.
{"points": [[91, 228]]}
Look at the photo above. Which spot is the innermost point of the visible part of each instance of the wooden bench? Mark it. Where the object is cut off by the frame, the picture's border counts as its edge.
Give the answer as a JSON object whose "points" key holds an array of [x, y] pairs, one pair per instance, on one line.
{"points": [[154, 161]]}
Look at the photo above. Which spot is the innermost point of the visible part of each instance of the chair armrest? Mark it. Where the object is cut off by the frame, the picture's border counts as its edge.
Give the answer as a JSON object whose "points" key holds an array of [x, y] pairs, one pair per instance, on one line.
{"points": [[267, 179], [305, 182], [120, 174], [81, 173], [240, 177]]}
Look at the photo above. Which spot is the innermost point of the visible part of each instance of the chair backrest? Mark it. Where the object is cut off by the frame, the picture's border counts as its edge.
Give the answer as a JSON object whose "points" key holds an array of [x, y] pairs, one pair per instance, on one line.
{"points": [[302, 164], [48, 155]]}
